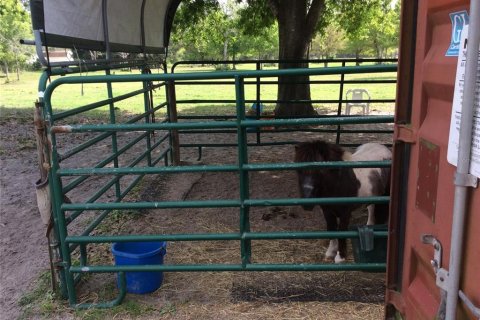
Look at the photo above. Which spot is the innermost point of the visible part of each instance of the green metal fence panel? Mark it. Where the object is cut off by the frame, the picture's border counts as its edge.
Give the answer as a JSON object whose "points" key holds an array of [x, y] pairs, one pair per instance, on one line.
{"points": [[64, 212]]}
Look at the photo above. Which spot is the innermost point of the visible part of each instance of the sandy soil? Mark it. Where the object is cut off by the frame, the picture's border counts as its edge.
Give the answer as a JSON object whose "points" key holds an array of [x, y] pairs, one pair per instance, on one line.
{"points": [[23, 245], [22, 235]]}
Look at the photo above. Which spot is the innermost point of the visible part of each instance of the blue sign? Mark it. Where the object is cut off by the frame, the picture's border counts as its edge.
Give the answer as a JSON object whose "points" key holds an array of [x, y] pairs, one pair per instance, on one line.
{"points": [[459, 19]]}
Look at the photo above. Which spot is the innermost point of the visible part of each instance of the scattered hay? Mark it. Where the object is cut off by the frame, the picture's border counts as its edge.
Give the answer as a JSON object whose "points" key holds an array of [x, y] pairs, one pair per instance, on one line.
{"points": [[240, 295]]}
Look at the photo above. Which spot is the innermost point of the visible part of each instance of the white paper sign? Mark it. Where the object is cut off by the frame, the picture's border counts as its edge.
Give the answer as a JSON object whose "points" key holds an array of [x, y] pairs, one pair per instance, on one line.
{"points": [[452, 154]]}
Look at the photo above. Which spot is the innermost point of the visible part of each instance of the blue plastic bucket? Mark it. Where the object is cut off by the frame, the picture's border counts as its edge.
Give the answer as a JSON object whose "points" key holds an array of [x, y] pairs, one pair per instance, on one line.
{"points": [[140, 253], [256, 106]]}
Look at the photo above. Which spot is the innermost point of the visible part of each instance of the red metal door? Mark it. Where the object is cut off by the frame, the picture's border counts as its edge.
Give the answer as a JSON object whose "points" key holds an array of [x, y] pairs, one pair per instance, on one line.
{"points": [[423, 190]]}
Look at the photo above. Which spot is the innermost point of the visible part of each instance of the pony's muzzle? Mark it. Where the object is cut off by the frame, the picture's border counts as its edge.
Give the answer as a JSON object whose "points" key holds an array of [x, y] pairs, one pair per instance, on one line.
{"points": [[307, 190]]}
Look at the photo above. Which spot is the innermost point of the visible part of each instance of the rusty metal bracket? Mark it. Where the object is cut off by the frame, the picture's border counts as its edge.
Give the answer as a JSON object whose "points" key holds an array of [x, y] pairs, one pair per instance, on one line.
{"points": [[441, 274], [465, 180], [442, 279], [437, 254]]}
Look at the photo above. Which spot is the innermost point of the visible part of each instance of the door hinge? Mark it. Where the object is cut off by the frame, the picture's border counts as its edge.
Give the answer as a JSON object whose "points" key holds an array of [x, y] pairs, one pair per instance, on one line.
{"points": [[404, 133]]}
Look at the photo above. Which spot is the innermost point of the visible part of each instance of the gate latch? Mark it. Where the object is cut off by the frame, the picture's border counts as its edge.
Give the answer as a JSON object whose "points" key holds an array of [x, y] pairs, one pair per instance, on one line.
{"points": [[441, 274]]}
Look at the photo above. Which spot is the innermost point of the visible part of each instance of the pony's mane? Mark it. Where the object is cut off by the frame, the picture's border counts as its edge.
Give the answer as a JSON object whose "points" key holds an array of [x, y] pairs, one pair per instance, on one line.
{"points": [[318, 150]]}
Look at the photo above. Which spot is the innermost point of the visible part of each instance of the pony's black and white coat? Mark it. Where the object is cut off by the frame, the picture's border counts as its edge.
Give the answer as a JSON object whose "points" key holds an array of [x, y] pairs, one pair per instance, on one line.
{"points": [[343, 182]]}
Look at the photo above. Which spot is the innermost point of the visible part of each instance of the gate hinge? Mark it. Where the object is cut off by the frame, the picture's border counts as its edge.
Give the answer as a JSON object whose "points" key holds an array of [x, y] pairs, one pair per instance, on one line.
{"points": [[405, 133], [466, 180], [440, 273]]}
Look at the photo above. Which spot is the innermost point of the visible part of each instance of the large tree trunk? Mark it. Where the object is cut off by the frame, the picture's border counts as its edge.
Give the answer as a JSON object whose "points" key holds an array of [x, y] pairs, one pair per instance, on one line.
{"points": [[296, 23]]}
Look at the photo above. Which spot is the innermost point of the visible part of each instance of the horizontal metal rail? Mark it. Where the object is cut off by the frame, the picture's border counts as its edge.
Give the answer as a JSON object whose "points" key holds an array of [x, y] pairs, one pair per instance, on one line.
{"points": [[256, 144], [269, 61], [222, 203], [223, 236], [224, 168], [232, 267], [214, 75], [347, 131], [265, 82], [329, 101], [222, 124]]}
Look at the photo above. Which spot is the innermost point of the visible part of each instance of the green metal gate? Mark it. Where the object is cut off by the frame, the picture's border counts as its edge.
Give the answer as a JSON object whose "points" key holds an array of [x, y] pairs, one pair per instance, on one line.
{"points": [[166, 148]]}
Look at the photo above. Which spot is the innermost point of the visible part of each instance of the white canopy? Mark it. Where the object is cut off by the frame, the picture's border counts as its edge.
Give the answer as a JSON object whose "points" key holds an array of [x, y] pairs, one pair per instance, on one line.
{"points": [[115, 25]]}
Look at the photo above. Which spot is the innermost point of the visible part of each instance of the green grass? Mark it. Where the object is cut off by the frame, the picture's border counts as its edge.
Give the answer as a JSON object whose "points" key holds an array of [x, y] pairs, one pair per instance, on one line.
{"points": [[23, 93], [43, 303]]}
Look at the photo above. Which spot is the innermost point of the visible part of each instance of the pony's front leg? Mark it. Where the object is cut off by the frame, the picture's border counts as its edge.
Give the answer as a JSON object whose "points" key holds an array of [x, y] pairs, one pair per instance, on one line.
{"points": [[342, 243], [332, 225], [332, 249], [371, 215]]}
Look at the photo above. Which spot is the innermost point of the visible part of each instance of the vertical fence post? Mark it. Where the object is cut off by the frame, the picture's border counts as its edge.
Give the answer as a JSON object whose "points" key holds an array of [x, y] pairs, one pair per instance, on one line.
{"points": [[83, 254], [340, 98], [146, 105], [165, 71], [118, 191], [257, 98], [60, 222], [245, 245], [172, 117]]}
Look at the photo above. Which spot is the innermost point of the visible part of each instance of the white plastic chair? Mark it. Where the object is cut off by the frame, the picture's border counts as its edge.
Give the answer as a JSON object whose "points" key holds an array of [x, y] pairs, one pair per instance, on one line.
{"points": [[358, 94]]}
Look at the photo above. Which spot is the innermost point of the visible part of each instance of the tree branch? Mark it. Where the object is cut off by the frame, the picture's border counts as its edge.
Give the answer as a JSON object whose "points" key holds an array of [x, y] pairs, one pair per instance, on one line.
{"points": [[313, 17]]}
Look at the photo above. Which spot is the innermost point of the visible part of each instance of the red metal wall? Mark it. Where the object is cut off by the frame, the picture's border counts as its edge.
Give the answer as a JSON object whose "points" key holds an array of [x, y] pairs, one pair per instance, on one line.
{"points": [[422, 128]]}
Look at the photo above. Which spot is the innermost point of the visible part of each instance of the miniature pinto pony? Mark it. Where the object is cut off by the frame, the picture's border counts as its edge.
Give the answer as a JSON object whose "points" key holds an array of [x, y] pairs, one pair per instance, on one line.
{"points": [[343, 182]]}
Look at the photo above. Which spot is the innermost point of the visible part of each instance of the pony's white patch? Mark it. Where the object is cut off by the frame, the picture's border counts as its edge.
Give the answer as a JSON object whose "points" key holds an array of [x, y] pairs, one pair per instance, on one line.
{"points": [[332, 249], [347, 156], [369, 152], [338, 258]]}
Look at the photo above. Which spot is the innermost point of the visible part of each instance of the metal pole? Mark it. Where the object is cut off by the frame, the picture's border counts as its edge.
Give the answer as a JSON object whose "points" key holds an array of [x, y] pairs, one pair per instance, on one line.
{"points": [[118, 190], [340, 98], [257, 97], [146, 105], [173, 118], [245, 244], [465, 143]]}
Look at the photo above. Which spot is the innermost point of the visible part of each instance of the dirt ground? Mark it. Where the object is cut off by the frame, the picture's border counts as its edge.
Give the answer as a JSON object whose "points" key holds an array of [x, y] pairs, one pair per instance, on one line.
{"points": [[22, 242], [263, 295]]}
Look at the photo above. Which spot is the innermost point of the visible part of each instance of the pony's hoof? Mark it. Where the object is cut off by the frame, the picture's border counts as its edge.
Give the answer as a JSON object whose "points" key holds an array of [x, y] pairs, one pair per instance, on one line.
{"points": [[329, 257], [332, 249], [339, 259]]}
